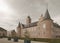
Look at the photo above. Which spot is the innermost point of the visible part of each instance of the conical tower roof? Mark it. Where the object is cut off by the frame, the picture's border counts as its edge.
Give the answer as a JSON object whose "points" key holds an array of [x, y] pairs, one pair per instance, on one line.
{"points": [[19, 25], [47, 16]]}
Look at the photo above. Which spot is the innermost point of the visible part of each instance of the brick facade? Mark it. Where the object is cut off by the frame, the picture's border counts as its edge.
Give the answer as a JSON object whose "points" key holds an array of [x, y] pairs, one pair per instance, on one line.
{"points": [[44, 28]]}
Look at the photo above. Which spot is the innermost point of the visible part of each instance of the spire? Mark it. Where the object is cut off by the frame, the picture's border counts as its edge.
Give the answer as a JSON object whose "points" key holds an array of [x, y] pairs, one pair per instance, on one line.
{"points": [[22, 25], [47, 16], [19, 25]]}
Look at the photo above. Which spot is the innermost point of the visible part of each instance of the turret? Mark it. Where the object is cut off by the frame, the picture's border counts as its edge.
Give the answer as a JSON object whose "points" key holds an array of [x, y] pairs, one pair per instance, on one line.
{"points": [[47, 16], [28, 20], [19, 25], [19, 30], [46, 26], [13, 33], [22, 26], [40, 19]]}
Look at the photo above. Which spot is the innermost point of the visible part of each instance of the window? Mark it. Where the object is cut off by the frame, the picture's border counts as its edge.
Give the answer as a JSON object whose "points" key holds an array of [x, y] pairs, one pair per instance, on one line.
{"points": [[57, 36], [44, 26]]}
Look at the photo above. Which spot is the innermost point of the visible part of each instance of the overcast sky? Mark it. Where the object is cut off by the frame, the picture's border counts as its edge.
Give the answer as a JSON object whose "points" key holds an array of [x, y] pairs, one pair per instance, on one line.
{"points": [[13, 11]]}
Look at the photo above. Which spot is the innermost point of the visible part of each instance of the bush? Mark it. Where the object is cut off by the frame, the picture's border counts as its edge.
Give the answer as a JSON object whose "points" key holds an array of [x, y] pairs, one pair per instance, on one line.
{"points": [[1, 36], [15, 39], [9, 38], [27, 41]]}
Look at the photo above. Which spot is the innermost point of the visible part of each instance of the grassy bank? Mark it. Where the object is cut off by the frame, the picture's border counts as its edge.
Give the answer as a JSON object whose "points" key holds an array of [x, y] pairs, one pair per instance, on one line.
{"points": [[44, 40]]}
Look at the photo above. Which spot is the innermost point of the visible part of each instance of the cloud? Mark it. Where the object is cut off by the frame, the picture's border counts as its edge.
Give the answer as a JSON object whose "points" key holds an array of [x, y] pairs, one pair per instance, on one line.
{"points": [[13, 11], [57, 19]]}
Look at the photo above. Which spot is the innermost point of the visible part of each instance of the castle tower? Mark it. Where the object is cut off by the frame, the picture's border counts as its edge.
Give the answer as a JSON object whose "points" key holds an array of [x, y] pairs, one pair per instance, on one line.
{"points": [[13, 33], [46, 26], [22, 26], [19, 30], [28, 20], [19, 25], [40, 19], [47, 16]]}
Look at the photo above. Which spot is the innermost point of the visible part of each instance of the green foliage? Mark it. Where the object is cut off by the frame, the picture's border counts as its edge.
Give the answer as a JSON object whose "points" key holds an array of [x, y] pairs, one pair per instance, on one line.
{"points": [[44, 40], [55, 41]]}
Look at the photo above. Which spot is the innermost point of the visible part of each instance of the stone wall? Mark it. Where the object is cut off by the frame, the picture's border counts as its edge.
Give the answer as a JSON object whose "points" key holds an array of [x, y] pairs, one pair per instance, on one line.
{"points": [[32, 31]]}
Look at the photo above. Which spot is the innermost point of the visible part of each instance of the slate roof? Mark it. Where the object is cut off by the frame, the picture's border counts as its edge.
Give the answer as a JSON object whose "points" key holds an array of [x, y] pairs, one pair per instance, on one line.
{"points": [[30, 25], [47, 16], [35, 24], [56, 25], [1, 29], [19, 25]]}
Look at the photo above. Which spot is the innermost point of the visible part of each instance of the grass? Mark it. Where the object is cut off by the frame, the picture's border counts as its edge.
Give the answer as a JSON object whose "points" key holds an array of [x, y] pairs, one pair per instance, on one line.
{"points": [[44, 40]]}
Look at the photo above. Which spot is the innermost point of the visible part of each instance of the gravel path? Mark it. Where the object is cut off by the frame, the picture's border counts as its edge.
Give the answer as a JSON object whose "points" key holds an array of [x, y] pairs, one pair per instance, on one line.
{"points": [[5, 40]]}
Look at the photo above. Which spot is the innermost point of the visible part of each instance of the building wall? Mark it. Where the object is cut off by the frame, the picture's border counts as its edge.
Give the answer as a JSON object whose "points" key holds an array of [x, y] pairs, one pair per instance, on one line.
{"points": [[46, 29], [32, 31], [56, 32], [19, 32], [3, 33], [13, 33]]}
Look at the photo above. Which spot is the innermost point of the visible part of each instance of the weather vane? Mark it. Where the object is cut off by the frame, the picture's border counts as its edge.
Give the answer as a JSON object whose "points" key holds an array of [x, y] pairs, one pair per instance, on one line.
{"points": [[45, 2], [47, 5]]}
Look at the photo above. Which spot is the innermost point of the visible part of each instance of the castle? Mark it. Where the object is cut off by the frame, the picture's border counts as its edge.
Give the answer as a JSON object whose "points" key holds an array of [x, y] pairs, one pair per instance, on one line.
{"points": [[43, 28]]}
